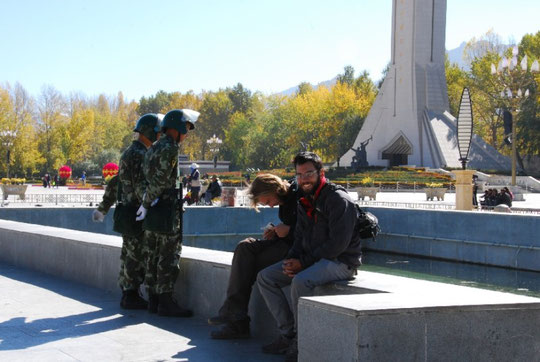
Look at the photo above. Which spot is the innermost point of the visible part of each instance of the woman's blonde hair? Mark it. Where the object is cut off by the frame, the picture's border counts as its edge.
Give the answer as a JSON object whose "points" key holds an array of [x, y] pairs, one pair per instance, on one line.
{"points": [[267, 184]]}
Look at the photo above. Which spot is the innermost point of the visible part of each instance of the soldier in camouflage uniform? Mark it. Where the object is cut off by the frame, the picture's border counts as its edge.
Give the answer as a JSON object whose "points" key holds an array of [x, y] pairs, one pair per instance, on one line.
{"points": [[132, 187], [109, 198], [160, 169]]}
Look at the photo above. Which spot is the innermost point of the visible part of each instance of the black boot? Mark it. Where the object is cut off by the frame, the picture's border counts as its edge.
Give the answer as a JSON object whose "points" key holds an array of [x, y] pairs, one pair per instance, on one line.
{"points": [[153, 302], [167, 307], [233, 330], [132, 300], [217, 320]]}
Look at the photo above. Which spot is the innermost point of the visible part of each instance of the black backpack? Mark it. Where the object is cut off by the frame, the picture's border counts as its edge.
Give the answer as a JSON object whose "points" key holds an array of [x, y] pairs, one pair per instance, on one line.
{"points": [[367, 224]]}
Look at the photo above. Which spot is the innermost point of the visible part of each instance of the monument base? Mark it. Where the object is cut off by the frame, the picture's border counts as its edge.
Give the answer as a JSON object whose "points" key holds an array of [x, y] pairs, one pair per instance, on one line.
{"points": [[464, 189]]}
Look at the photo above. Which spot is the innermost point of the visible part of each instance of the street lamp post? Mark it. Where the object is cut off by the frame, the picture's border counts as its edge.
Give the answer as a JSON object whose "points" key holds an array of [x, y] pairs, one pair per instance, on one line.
{"points": [[7, 141], [514, 81], [214, 143]]}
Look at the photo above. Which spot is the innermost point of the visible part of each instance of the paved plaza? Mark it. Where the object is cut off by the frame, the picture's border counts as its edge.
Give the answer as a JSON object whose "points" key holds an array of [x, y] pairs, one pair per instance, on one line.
{"points": [[43, 318]]}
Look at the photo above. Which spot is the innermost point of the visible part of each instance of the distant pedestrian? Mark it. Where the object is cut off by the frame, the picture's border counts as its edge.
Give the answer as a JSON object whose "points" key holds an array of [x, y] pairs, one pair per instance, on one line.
{"points": [[195, 182], [83, 178], [213, 191], [474, 191]]}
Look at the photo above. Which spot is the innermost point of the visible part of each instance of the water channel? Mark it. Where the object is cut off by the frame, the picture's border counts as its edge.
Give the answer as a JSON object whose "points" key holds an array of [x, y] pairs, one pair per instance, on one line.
{"points": [[473, 275]]}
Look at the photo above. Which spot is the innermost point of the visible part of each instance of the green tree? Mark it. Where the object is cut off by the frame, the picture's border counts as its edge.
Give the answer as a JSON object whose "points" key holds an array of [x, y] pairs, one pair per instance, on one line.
{"points": [[347, 77], [240, 98], [529, 120], [304, 88], [157, 103], [25, 159], [52, 109], [456, 80], [216, 110]]}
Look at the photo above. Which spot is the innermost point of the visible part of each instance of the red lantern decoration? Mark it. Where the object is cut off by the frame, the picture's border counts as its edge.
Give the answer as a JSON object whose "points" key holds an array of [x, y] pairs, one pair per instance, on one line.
{"points": [[64, 172], [110, 170]]}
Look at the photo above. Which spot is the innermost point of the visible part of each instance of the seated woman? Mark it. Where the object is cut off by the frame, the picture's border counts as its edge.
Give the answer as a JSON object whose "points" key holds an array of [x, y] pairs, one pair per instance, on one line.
{"points": [[253, 255], [213, 190]]}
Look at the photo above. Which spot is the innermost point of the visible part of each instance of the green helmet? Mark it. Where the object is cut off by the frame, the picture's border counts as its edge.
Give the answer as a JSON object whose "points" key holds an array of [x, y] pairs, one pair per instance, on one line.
{"points": [[181, 120], [149, 125]]}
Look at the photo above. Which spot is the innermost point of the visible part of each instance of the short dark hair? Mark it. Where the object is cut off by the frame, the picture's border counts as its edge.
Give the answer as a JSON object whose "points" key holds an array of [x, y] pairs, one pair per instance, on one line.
{"points": [[304, 157]]}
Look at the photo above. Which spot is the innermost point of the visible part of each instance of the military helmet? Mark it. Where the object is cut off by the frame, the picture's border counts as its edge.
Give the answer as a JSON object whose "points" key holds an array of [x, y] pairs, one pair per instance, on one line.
{"points": [[149, 125], [181, 120]]}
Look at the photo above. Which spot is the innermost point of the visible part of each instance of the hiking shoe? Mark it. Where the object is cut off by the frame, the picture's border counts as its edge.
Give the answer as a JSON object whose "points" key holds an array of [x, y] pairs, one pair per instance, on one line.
{"points": [[233, 330], [292, 353], [279, 346], [132, 300], [167, 307], [217, 320]]}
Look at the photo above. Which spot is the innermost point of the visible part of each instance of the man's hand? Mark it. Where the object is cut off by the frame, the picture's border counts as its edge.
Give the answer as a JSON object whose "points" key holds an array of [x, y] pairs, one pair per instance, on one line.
{"points": [[282, 230], [97, 216], [141, 213], [291, 267]]}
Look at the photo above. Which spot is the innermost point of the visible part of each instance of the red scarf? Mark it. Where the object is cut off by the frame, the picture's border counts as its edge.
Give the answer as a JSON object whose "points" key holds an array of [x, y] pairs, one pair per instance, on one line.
{"points": [[306, 203]]}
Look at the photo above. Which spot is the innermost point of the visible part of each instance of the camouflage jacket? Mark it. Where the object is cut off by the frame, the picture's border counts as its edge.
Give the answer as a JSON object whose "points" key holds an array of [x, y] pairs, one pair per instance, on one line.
{"points": [[109, 197], [160, 170], [131, 174]]}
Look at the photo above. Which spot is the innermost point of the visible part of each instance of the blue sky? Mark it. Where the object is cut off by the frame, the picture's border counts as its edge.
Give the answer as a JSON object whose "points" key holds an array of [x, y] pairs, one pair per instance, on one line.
{"points": [[140, 47]]}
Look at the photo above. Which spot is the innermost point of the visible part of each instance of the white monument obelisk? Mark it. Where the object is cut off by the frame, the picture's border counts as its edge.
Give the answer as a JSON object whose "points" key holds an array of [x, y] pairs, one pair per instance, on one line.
{"points": [[409, 122]]}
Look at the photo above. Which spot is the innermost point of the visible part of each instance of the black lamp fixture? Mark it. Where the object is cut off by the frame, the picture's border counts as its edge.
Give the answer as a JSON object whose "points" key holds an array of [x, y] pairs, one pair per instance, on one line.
{"points": [[464, 127]]}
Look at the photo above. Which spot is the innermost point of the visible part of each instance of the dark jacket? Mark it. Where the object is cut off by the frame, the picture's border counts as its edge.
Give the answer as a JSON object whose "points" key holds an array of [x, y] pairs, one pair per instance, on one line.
{"points": [[330, 232], [504, 198], [288, 211], [214, 189]]}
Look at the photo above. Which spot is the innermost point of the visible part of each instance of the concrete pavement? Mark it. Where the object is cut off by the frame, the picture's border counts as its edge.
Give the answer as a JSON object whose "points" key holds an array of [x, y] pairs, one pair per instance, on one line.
{"points": [[43, 318]]}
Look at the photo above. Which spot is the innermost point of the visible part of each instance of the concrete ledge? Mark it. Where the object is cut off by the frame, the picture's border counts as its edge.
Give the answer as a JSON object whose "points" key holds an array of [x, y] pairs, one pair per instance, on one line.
{"points": [[94, 259], [508, 240], [375, 317], [412, 320]]}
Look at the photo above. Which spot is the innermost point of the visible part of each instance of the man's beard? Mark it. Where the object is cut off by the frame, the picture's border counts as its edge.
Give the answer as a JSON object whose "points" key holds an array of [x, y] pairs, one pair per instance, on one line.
{"points": [[311, 191]]}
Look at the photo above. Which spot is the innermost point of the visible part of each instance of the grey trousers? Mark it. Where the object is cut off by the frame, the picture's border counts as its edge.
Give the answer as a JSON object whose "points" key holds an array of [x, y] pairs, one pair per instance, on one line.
{"points": [[273, 287]]}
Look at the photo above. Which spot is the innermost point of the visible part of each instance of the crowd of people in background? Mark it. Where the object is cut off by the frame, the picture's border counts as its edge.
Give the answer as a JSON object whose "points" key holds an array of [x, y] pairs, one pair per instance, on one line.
{"points": [[492, 197], [201, 189], [49, 181]]}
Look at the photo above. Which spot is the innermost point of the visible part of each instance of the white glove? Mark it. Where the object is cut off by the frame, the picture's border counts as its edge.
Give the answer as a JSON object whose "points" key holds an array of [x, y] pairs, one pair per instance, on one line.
{"points": [[97, 216], [154, 202], [141, 213]]}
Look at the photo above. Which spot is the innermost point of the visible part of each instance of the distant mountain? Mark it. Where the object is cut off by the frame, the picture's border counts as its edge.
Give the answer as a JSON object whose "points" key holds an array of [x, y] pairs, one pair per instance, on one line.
{"points": [[454, 55], [293, 90]]}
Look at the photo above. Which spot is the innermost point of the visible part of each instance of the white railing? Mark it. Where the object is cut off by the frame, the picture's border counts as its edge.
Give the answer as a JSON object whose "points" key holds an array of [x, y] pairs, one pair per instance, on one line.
{"points": [[56, 199]]}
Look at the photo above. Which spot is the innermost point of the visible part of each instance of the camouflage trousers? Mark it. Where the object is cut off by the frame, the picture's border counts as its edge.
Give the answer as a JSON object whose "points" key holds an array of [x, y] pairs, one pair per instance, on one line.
{"points": [[163, 262], [132, 262]]}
